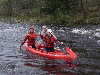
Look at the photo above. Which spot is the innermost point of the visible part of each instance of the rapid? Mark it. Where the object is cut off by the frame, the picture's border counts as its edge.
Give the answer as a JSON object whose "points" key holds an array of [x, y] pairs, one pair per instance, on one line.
{"points": [[83, 40]]}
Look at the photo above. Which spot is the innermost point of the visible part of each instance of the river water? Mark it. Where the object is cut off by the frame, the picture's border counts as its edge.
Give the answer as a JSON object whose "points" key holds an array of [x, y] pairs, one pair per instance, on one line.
{"points": [[83, 40]]}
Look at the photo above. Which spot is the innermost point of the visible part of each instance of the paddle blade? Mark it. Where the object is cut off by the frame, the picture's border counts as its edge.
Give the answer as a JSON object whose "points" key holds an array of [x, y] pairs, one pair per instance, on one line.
{"points": [[71, 52]]}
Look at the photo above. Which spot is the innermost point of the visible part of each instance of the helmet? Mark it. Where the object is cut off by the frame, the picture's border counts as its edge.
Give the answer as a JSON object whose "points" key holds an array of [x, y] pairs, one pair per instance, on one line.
{"points": [[31, 28], [49, 30]]}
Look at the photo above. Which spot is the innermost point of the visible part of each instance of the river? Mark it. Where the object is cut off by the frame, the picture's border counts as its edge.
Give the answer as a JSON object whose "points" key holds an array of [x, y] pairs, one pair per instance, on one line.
{"points": [[83, 40]]}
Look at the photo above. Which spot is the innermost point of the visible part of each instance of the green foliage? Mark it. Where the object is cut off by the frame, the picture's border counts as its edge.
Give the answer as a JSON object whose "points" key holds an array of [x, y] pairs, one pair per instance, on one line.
{"points": [[67, 12], [53, 6], [2, 4], [3, 1], [27, 4]]}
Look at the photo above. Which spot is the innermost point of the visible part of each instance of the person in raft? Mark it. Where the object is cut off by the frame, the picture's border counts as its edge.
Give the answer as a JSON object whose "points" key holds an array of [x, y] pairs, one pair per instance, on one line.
{"points": [[31, 39], [49, 39]]}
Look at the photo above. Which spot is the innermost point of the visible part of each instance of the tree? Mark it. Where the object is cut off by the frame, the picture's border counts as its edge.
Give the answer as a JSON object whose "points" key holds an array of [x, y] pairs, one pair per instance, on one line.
{"points": [[64, 6]]}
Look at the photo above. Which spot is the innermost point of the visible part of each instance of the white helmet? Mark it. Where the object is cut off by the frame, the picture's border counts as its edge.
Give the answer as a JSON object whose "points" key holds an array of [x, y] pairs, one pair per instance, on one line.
{"points": [[49, 30]]}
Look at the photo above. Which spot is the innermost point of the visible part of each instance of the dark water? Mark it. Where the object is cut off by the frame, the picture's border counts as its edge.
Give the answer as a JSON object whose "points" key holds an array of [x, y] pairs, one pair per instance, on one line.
{"points": [[83, 40]]}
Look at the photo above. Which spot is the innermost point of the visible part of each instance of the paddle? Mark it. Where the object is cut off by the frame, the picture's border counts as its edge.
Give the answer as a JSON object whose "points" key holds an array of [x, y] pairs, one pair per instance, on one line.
{"points": [[20, 47], [70, 52]]}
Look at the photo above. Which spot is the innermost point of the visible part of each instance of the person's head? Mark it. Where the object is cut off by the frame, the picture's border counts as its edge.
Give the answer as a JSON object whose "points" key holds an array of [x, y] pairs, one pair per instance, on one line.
{"points": [[49, 32], [31, 29]]}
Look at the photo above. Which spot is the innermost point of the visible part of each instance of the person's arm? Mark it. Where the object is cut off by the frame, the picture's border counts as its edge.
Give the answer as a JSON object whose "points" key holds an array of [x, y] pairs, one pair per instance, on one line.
{"points": [[26, 37], [42, 33], [57, 42]]}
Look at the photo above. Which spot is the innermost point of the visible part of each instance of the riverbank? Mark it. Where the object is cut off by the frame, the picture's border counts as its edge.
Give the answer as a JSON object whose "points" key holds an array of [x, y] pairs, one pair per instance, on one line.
{"points": [[45, 21]]}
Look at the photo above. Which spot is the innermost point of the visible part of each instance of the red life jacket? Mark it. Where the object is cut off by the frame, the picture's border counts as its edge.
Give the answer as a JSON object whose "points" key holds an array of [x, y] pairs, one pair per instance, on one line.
{"points": [[31, 38], [49, 42]]}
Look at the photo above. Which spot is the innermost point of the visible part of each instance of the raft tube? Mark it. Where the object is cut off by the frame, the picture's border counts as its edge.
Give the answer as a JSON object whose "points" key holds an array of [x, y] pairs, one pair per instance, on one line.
{"points": [[51, 55]]}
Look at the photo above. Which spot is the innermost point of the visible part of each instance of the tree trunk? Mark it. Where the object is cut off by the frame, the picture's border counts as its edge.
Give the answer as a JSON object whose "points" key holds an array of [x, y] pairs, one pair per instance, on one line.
{"points": [[83, 9], [86, 5]]}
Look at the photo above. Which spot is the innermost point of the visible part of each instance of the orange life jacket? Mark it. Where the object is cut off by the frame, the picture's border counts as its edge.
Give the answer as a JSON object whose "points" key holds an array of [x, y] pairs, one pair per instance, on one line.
{"points": [[49, 42]]}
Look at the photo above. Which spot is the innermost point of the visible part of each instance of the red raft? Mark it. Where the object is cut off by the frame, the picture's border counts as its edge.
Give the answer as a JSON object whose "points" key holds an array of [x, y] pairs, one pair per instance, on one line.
{"points": [[51, 55]]}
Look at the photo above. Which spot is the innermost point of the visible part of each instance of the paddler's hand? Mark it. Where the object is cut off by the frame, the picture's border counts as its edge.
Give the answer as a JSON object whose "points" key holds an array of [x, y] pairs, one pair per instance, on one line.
{"points": [[61, 43], [44, 27], [22, 44], [28, 35]]}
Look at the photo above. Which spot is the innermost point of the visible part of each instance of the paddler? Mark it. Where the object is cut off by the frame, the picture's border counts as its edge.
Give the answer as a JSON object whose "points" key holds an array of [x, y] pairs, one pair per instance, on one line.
{"points": [[31, 36], [49, 39]]}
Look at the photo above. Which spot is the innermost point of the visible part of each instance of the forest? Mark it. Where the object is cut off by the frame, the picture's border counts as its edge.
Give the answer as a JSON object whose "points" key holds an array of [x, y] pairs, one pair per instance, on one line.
{"points": [[58, 12]]}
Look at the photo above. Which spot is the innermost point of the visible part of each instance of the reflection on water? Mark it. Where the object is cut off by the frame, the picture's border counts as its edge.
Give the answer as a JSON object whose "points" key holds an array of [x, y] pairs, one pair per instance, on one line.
{"points": [[51, 66]]}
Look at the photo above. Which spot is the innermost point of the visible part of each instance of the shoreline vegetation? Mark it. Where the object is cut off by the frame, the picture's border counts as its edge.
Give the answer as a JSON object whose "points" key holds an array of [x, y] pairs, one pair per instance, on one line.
{"points": [[47, 12]]}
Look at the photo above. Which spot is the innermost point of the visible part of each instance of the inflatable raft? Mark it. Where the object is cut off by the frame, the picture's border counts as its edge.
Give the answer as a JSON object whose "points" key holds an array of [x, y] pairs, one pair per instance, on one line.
{"points": [[51, 55]]}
